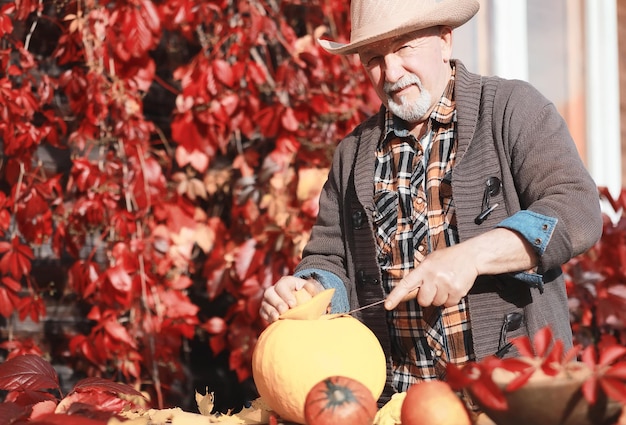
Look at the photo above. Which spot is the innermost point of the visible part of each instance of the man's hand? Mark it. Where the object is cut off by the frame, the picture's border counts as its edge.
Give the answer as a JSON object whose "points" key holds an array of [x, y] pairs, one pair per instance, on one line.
{"points": [[447, 275], [282, 296], [442, 279]]}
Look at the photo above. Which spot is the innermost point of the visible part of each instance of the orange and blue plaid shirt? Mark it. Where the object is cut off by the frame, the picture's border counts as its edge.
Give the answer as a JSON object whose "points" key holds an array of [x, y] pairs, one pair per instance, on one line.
{"points": [[415, 215]]}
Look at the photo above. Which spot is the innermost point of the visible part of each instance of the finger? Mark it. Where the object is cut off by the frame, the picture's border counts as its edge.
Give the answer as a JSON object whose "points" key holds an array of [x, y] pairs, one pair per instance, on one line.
{"points": [[285, 288], [313, 287], [398, 295], [452, 301], [440, 298], [426, 295], [274, 297], [268, 313]]}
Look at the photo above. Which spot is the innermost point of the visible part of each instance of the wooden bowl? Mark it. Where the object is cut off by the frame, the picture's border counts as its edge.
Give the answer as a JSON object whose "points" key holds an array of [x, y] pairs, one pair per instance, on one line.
{"points": [[553, 401]]}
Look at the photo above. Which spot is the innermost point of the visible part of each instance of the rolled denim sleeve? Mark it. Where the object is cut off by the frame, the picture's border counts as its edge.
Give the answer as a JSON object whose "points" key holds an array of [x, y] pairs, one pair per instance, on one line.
{"points": [[537, 229], [339, 303]]}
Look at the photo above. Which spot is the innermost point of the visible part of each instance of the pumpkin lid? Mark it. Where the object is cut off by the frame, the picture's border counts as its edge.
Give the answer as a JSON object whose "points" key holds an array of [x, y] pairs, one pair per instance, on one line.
{"points": [[313, 309]]}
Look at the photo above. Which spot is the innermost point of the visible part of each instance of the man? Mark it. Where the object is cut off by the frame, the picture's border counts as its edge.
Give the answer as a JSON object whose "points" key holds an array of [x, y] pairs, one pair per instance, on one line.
{"points": [[459, 201]]}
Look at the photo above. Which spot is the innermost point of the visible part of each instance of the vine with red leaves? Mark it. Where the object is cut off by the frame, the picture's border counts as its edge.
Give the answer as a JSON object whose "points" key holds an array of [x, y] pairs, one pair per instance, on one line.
{"points": [[34, 395], [166, 158], [604, 367], [596, 280]]}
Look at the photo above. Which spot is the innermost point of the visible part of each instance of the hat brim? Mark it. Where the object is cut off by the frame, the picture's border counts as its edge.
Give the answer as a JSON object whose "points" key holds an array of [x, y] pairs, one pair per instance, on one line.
{"points": [[466, 13], [353, 47]]}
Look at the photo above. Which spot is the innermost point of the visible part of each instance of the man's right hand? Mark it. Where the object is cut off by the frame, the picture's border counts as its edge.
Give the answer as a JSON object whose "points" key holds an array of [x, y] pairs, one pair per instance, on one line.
{"points": [[286, 294]]}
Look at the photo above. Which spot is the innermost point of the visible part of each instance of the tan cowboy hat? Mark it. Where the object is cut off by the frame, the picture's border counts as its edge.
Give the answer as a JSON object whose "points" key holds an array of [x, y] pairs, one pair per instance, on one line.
{"points": [[374, 20]]}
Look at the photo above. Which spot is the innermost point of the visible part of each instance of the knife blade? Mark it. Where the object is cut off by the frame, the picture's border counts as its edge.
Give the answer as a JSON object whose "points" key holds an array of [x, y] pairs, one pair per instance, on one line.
{"points": [[366, 306]]}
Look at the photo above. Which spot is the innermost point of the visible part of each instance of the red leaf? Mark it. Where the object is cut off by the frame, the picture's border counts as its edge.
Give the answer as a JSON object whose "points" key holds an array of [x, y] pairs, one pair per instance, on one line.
{"points": [[180, 282], [58, 419], [489, 394], [267, 121], [105, 385], [198, 160], [93, 349], [520, 380], [6, 25], [217, 344], [119, 278], [28, 397], [16, 260], [11, 283], [209, 76], [590, 356], [250, 287], [4, 246], [255, 73], [542, 341], [289, 121], [42, 408], [177, 305], [551, 365], [33, 307], [83, 277], [572, 353], [456, 377], [12, 412], [223, 72], [229, 103], [524, 346], [9, 301], [515, 364], [119, 332], [243, 258], [590, 389], [614, 388], [27, 372], [610, 354], [93, 401], [617, 371], [18, 347]]}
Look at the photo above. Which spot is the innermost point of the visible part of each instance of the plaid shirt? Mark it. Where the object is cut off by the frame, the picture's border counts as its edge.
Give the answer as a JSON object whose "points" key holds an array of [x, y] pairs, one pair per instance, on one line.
{"points": [[415, 215]]}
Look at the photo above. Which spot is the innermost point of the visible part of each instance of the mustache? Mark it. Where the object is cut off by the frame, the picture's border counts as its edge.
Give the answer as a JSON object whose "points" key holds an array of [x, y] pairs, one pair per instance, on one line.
{"points": [[405, 81]]}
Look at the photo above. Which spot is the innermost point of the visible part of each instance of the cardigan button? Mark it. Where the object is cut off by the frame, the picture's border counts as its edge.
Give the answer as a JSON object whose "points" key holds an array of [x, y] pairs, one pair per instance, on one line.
{"points": [[360, 277], [358, 219], [363, 279]]}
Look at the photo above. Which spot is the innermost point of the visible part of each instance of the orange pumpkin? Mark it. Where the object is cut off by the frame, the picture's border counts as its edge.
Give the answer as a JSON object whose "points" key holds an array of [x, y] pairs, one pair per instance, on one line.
{"points": [[433, 403], [340, 400], [307, 346]]}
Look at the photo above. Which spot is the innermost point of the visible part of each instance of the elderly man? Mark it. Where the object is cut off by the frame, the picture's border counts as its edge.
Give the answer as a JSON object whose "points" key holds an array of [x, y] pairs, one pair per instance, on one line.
{"points": [[458, 201]]}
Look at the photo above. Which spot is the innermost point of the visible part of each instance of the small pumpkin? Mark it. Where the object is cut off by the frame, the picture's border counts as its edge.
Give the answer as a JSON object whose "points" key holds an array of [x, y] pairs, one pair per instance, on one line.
{"points": [[306, 346], [433, 403], [340, 400]]}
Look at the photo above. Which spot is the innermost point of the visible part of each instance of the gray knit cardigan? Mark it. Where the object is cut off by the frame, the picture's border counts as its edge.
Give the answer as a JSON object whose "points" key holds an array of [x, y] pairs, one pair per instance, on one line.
{"points": [[506, 129]]}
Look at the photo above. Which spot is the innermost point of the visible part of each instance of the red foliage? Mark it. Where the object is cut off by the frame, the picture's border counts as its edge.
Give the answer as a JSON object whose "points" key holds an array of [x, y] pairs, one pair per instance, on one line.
{"points": [[608, 370], [34, 395], [597, 279], [157, 222]]}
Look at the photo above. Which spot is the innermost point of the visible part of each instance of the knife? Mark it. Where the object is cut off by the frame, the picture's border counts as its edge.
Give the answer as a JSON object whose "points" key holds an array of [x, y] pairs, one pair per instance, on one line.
{"points": [[366, 306]]}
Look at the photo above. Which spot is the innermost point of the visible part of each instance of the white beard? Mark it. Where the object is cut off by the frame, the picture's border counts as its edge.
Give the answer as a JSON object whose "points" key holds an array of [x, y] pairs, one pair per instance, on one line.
{"points": [[412, 112]]}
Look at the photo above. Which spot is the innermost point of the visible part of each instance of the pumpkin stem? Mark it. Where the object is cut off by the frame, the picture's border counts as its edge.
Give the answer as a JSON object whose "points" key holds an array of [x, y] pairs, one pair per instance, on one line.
{"points": [[338, 394]]}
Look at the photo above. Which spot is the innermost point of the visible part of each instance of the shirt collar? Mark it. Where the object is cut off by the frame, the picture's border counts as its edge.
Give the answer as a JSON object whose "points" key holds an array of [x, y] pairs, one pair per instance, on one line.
{"points": [[442, 114]]}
